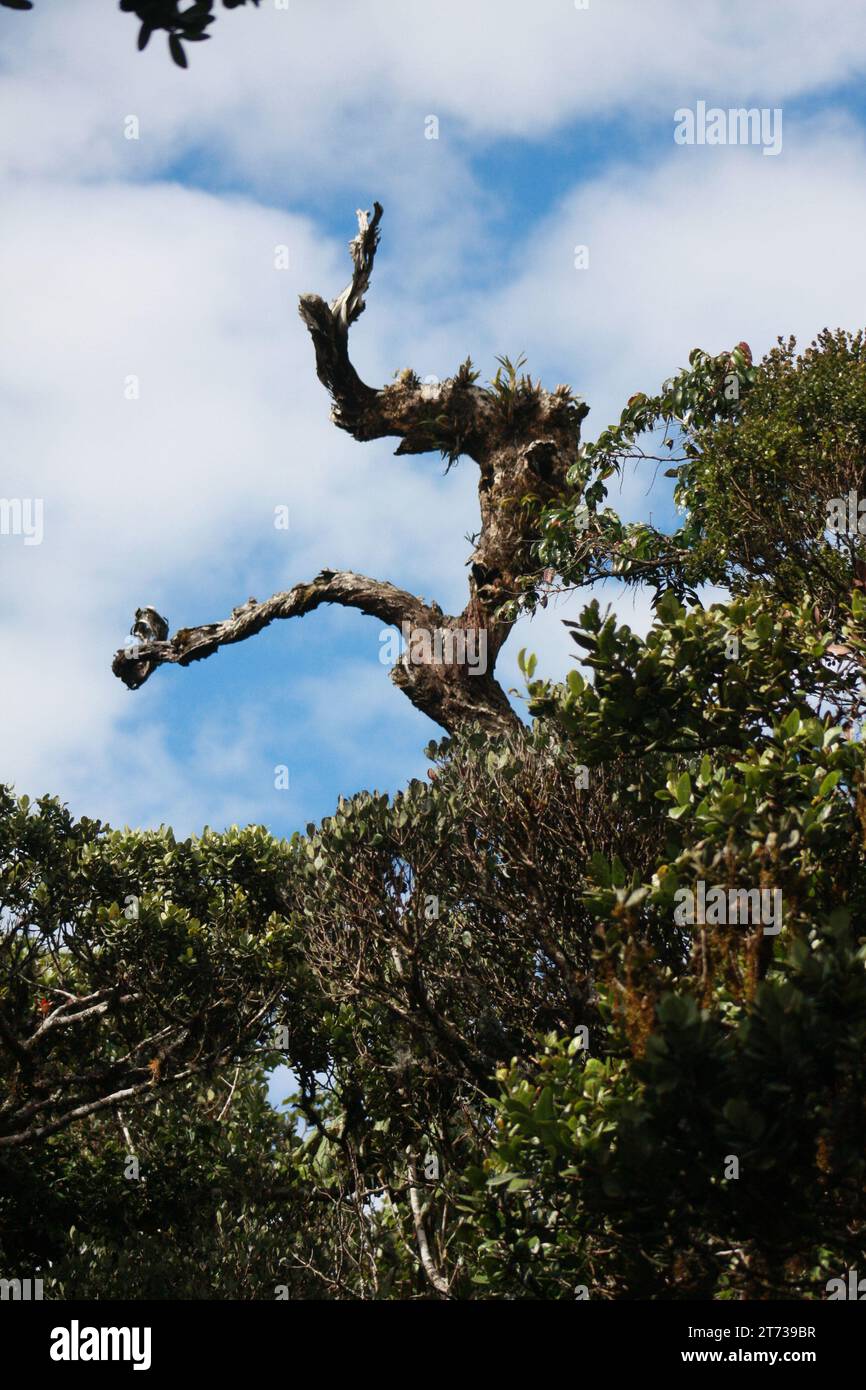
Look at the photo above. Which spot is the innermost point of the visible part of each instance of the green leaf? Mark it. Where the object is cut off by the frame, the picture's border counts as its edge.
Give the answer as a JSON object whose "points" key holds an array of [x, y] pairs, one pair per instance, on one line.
{"points": [[791, 724], [829, 782], [683, 789]]}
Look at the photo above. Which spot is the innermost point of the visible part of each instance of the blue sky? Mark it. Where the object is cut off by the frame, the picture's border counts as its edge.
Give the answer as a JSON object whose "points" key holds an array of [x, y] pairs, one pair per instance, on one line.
{"points": [[155, 258]]}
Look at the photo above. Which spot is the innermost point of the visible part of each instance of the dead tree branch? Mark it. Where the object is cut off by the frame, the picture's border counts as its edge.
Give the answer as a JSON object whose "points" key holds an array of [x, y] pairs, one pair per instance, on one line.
{"points": [[523, 440]]}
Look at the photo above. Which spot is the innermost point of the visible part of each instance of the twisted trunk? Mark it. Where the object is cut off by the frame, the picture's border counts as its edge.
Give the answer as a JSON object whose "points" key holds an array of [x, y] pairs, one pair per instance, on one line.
{"points": [[523, 440]]}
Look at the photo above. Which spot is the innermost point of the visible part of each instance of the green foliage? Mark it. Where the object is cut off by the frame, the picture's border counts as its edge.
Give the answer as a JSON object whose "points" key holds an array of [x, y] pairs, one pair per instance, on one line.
{"points": [[756, 488], [758, 454], [128, 960], [582, 540], [702, 678], [673, 1165], [211, 1213], [510, 387], [618, 1176]]}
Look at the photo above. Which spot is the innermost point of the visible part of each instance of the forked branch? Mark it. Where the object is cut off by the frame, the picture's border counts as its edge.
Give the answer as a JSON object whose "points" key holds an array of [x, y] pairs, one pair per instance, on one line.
{"points": [[523, 439], [452, 416]]}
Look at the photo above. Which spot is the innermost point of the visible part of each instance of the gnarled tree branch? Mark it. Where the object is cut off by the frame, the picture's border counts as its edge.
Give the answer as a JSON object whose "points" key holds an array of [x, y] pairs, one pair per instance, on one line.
{"points": [[523, 439], [438, 674], [134, 663], [451, 416]]}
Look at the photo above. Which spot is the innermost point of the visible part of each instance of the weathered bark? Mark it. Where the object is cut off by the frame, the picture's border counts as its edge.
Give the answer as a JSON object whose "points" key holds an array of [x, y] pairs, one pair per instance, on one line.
{"points": [[451, 693], [523, 440]]}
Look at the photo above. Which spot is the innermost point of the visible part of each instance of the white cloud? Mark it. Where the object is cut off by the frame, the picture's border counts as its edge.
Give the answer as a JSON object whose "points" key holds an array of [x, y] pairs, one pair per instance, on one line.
{"points": [[331, 86], [703, 248]]}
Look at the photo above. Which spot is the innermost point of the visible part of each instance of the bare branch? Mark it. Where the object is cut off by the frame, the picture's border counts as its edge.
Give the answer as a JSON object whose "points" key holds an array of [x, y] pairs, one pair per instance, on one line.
{"points": [[329, 328], [379, 599], [350, 305], [450, 416], [428, 1264], [59, 1019], [440, 682], [42, 1131]]}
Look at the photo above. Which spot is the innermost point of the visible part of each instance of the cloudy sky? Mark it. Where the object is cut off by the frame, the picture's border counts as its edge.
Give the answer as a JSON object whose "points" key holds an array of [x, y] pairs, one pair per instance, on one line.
{"points": [[154, 258]]}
